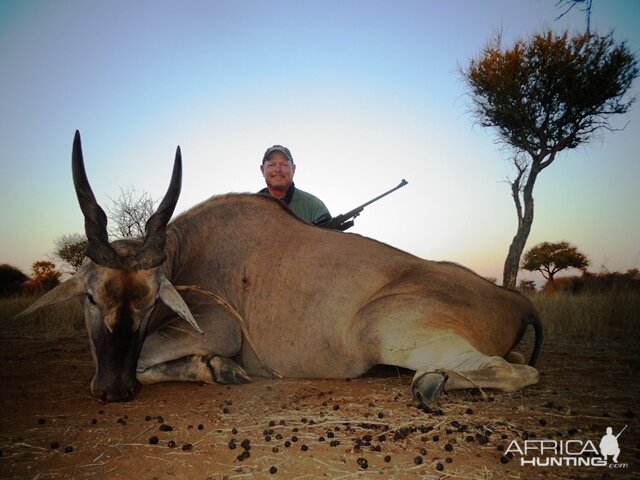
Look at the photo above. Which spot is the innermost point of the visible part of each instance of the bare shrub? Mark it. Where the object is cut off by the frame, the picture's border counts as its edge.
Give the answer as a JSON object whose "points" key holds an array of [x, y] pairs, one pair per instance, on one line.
{"points": [[129, 213]]}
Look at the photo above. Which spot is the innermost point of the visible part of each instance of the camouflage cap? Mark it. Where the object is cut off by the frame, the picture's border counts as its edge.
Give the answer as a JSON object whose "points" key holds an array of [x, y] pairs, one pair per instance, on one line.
{"points": [[277, 148]]}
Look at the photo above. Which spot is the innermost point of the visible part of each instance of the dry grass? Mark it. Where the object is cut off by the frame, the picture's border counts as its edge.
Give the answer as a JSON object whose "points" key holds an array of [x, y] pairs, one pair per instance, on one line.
{"points": [[589, 316], [59, 321]]}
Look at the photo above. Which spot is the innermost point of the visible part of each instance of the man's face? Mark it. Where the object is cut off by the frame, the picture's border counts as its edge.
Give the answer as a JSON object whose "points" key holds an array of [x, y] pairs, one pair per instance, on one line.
{"points": [[278, 172]]}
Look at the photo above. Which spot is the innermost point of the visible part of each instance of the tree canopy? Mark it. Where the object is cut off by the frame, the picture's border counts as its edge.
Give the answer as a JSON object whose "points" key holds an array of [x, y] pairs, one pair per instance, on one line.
{"points": [[11, 279], [553, 91], [45, 275], [70, 249], [550, 258]]}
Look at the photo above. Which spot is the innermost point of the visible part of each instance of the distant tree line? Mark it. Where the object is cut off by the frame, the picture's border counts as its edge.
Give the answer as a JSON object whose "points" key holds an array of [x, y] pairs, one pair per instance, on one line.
{"points": [[11, 279], [599, 282], [45, 276], [550, 258], [587, 282]]}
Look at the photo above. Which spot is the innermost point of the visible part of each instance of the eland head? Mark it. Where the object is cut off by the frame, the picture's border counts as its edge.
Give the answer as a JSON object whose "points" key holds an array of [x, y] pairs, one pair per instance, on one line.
{"points": [[121, 284]]}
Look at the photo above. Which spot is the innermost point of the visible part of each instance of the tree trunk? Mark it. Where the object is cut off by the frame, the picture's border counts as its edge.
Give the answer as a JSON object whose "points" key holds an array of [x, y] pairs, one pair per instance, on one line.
{"points": [[525, 220], [512, 263], [550, 287]]}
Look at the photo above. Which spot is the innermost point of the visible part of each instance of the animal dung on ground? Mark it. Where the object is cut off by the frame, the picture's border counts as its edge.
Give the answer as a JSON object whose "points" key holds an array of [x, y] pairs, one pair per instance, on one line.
{"points": [[243, 456]]}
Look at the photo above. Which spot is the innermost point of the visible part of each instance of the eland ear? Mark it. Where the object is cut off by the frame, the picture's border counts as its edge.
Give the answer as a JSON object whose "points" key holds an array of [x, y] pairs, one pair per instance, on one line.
{"points": [[66, 290], [172, 299]]}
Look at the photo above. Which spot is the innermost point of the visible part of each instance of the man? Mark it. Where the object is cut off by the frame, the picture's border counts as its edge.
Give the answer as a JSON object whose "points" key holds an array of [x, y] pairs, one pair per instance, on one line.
{"points": [[609, 445], [278, 170]]}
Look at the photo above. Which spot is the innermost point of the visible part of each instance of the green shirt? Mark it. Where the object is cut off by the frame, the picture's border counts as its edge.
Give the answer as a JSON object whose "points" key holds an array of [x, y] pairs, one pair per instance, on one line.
{"points": [[305, 206]]}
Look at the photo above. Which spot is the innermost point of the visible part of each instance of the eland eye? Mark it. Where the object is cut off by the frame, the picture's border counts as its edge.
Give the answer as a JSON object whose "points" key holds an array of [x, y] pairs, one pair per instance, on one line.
{"points": [[90, 298]]}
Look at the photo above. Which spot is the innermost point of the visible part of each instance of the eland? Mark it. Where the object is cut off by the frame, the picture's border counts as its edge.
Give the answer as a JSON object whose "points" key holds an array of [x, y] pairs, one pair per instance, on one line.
{"points": [[316, 303]]}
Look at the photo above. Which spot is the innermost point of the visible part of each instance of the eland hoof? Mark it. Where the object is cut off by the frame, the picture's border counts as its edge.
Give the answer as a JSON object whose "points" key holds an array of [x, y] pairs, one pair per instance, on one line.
{"points": [[427, 387], [227, 371]]}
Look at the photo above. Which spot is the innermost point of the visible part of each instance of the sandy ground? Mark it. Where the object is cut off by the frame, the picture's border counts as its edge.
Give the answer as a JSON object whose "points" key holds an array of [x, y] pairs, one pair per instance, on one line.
{"points": [[50, 427]]}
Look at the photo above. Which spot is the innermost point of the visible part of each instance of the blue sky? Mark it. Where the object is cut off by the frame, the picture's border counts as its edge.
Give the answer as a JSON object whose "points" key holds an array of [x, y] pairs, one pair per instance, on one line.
{"points": [[364, 93]]}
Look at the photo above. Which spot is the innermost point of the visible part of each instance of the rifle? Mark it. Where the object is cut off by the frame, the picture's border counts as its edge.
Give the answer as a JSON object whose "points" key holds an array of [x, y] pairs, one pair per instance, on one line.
{"points": [[345, 221], [625, 427]]}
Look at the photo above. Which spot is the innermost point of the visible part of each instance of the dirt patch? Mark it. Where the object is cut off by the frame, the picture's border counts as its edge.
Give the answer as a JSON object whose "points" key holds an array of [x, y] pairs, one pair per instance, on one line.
{"points": [[368, 427]]}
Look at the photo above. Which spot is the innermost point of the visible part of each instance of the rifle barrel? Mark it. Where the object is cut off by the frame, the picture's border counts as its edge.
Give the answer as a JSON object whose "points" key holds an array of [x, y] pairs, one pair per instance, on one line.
{"points": [[625, 427], [335, 222], [400, 185]]}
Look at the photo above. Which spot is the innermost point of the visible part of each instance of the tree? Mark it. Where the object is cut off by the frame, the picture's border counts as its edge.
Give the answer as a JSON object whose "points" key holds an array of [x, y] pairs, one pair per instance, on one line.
{"points": [[527, 286], [45, 275], [568, 6], [543, 96], [129, 213], [70, 250], [11, 279], [550, 258]]}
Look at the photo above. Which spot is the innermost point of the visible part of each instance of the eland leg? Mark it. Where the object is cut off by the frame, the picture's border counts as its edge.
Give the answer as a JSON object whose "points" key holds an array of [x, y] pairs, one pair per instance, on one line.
{"points": [[176, 352], [444, 361], [427, 384], [195, 368]]}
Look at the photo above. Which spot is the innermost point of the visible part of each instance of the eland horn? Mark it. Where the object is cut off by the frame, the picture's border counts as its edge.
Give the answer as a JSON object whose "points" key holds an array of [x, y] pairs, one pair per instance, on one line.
{"points": [[152, 253], [95, 221]]}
